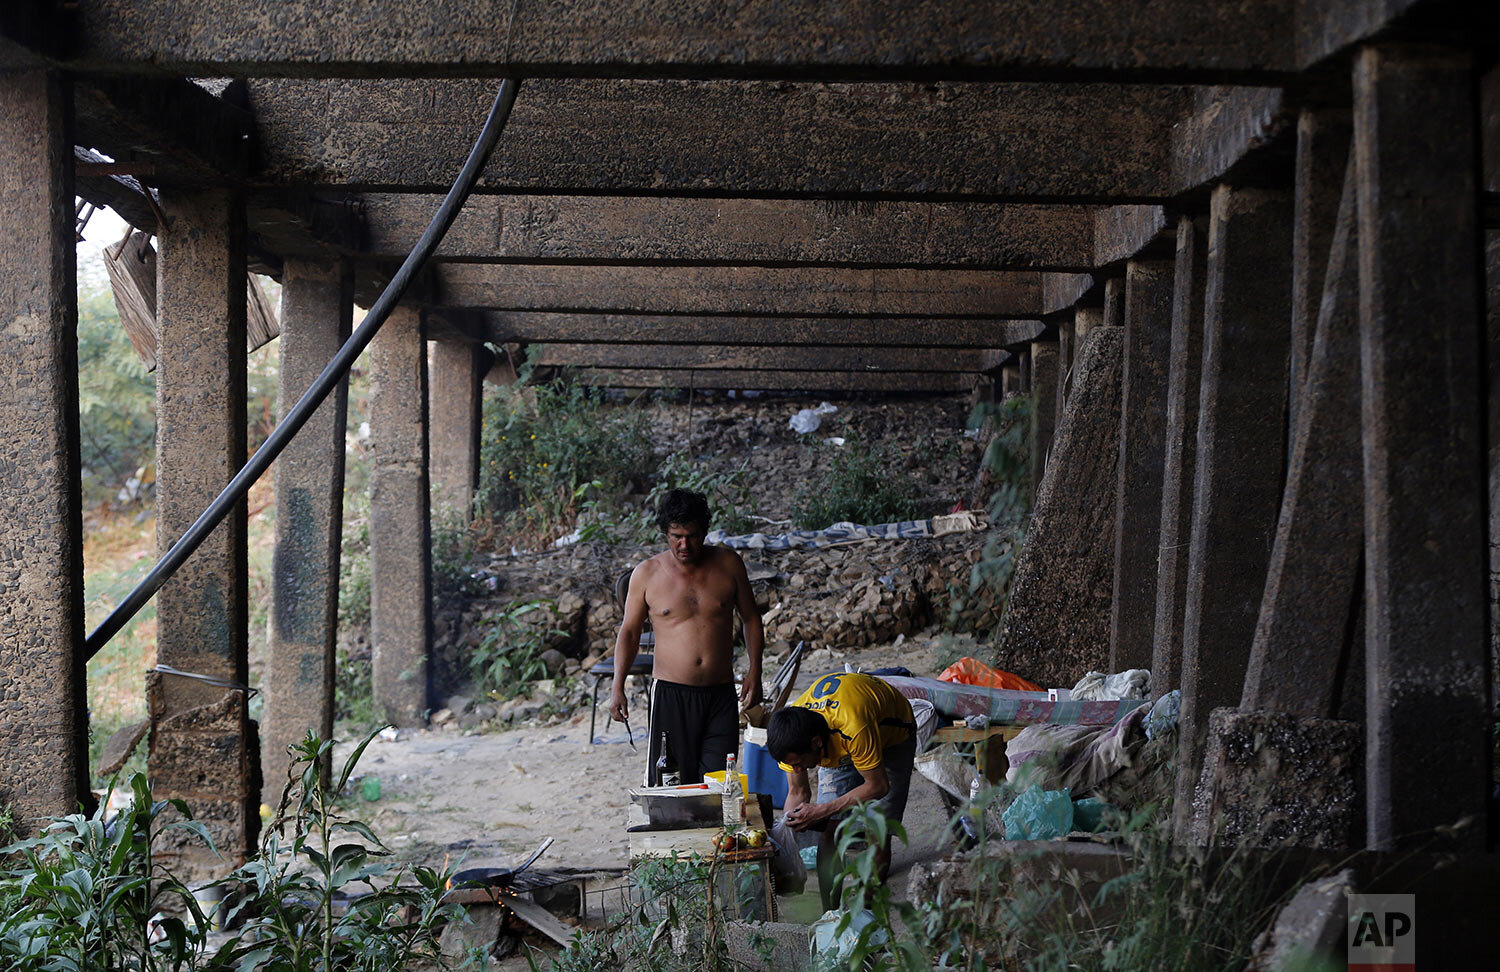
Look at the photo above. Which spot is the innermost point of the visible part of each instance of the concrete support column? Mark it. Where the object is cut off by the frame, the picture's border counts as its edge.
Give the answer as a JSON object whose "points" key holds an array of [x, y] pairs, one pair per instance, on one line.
{"points": [[43, 713], [1180, 450], [1043, 407], [458, 369], [1241, 441], [1113, 314], [1427, 759], [1322, 151], [400, 534], [1143, 427], [1010, 381], [202, 741], [1065, 332], [1085, 319], [1300, 653], [1023, 362], [317, 307]]}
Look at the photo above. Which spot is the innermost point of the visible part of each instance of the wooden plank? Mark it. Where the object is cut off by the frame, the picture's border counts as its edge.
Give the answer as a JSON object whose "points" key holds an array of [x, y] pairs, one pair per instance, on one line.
{"points": [[741, 290]]}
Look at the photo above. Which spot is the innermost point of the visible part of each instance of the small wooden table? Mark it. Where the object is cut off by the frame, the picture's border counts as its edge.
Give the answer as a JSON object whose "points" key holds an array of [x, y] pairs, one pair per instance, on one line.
{"points": [[989, 746]]}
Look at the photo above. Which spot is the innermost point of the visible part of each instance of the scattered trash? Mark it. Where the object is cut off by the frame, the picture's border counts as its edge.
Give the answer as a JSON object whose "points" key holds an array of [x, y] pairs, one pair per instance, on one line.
{"points": [[808, 419], [831, 948], [1133, 683], [1089, 814], [1164, 714], [1039, 814], [369, 788], [836, 440], [390, 734]]}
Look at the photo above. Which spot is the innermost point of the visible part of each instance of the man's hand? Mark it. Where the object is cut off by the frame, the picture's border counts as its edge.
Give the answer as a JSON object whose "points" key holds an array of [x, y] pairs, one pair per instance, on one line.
{"points": [[617, 709], [750, 691], [806, 815]]}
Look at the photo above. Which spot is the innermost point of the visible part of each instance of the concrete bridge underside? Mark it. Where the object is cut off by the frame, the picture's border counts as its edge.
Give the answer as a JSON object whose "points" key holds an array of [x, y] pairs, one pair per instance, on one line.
{"points": [[1243, 255]]}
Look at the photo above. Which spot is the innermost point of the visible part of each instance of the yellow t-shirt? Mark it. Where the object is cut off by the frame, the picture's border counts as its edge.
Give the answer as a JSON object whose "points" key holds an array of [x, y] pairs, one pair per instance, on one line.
{"points": [[865, 714]]}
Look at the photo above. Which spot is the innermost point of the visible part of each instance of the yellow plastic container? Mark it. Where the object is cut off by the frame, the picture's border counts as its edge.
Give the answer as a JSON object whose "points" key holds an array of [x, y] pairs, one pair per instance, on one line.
{"points": [[718, 777]]}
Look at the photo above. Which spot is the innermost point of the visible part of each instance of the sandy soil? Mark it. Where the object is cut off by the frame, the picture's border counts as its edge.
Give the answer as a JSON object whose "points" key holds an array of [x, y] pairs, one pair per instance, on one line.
{"points": [[491, 798]]}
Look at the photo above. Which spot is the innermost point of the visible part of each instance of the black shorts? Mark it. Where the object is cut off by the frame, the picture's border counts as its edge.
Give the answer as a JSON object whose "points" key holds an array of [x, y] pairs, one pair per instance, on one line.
{"points": [[703, 722]]}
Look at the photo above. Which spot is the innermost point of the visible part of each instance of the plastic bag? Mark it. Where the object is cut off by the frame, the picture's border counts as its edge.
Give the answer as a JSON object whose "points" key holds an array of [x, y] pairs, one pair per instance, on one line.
{"points": [[831, 950], [808, 419], [1164, 714], [1089, 813], [787, 867], [1039, 814], [972, 671], [1096, 686]]}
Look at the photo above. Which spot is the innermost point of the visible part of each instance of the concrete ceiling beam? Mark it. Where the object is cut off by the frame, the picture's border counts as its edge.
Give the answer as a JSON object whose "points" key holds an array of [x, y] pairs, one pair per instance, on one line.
{"points": [[940, 142], [773, 232], [729, 358], [503, 327], [741, 290], [788, 39], [813, 381]]}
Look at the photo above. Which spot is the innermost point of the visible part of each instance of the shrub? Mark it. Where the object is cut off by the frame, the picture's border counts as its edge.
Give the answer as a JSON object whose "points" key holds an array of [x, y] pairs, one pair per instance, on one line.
{"points": [[509, 657], [864, 485], [542, 444]]}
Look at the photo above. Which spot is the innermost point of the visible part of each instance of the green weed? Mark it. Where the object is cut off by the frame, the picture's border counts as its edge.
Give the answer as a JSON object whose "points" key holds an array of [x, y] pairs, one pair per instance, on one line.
{"points": [[865, 484], [509, 657]]}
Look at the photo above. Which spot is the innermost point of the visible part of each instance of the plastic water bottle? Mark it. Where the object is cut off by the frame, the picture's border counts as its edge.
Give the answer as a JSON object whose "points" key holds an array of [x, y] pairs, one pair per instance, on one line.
{"points": [[734, 797]]}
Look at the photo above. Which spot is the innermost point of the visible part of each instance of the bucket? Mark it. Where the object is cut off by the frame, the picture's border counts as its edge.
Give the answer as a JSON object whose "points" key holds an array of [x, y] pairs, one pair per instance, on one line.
{"points": [[765, 775]]}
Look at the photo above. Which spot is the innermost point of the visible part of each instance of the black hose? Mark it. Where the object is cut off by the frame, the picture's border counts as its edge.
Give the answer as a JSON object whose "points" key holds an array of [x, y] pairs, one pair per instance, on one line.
{"points": [[325, 383]]}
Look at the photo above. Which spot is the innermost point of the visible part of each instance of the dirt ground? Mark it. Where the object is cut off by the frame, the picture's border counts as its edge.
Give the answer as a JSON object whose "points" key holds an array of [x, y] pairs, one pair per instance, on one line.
{"points": [[490, 798]]}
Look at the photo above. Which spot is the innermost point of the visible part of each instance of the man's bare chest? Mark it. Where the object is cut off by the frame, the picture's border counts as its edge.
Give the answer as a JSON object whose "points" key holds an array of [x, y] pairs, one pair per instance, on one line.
{"points": [[686, 598]]}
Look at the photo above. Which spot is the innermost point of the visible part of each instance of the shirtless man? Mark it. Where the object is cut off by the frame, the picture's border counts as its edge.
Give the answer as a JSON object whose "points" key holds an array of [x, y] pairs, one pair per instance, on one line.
{"points": [[691, 592]]}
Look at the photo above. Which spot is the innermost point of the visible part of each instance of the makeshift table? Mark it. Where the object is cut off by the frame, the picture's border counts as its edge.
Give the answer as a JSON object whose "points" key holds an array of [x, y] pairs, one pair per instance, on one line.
{"points": [[699, 841], [989, 746]]}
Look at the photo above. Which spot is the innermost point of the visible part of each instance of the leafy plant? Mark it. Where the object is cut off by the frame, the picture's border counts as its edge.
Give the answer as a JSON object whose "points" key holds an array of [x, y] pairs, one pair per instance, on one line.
{"points": [[88, 894], [509, 657], [297, 892], [541, 443], [863, 486], [1006, 466]]}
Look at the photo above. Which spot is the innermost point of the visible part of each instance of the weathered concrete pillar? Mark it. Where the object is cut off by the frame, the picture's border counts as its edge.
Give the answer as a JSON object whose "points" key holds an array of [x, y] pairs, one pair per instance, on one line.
{"points": [[1143, 427], [202, 741], [1057, 625], [1241, 441], [1010, 380], [400, 534], [1300, 648], [1113, 314], [43, 712], [1085, 319], [1180, 449], [457, 406], [1322, 150], [317, 306], [1065, 332], [1420, 339], [1023, 361], [1043, 406]]}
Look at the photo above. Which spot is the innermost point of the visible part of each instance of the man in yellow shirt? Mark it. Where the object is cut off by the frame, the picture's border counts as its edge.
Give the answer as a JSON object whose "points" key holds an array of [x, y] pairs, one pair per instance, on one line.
{"points": [[860, 733]]}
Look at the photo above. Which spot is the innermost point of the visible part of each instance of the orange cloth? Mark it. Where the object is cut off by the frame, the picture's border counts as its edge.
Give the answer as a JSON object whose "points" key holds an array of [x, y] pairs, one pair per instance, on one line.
{"points": [[972, 671]]}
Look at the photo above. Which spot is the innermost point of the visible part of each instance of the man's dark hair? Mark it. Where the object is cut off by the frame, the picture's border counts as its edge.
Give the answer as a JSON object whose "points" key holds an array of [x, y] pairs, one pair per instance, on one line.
{"points": [[684, 508], [792, 730]]}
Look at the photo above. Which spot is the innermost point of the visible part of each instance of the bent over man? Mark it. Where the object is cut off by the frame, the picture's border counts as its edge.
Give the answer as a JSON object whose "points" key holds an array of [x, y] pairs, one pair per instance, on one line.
{"points": [[860, 733], [690, 591]]}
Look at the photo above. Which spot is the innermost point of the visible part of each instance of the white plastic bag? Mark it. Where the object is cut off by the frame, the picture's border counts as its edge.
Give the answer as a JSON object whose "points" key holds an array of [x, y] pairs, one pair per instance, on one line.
{"points": [[808, 419]]}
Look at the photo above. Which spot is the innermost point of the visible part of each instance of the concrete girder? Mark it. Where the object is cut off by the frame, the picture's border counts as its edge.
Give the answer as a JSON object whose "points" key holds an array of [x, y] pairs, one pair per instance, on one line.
{"points": [[741, 290], [733, 358], [620, 229], [503, 327], [811, 381], [164, 131], [1062, 142], [631, 38]]}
